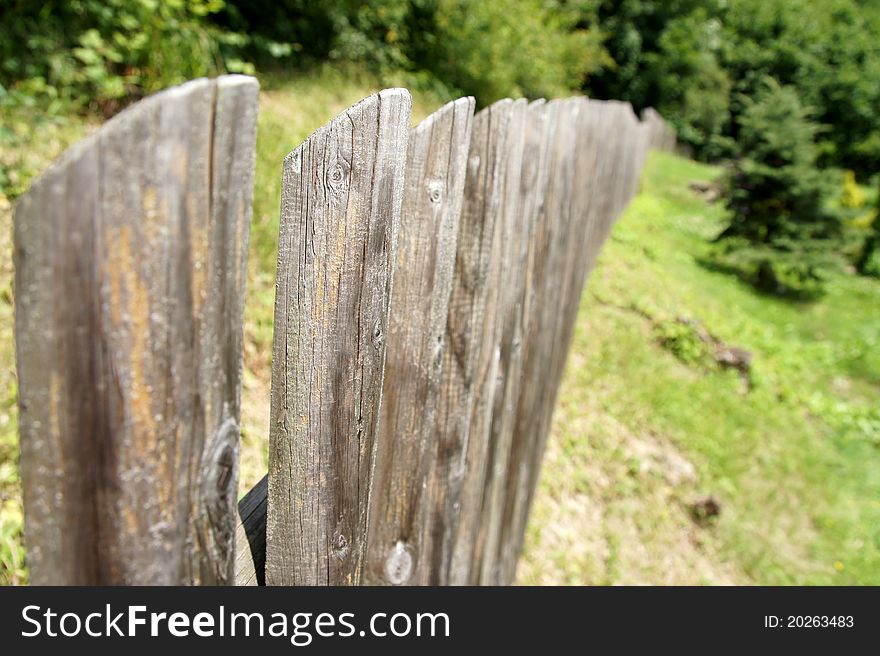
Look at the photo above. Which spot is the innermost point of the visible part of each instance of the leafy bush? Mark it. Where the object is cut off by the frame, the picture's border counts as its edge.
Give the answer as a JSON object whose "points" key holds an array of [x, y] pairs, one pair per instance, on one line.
{"points": [[791, 272], [852, 197], [497, 49], [486, 49], [105, 53], [781, 231], [868, 262], [694, 60], [682, 338]]}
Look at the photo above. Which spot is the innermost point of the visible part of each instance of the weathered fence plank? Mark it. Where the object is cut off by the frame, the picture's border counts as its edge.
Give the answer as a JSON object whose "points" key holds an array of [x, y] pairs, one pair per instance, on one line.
{"points": [[661, 136], [471, 361], [508, 343], [130, 260], [540, 131], [341, 198], [605, 174], [400, 543], [547, 278]]}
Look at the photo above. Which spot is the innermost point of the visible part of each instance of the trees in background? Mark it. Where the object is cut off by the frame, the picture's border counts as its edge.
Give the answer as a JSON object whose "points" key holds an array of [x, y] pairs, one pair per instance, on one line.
{"points": [[788, 90], [704, 64], [781, 227], [695, 61], [486, 49], [102, 54]]}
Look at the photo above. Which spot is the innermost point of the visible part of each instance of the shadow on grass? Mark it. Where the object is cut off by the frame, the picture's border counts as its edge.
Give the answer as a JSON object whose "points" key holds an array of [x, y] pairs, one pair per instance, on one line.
{"points": [[764, 281]]}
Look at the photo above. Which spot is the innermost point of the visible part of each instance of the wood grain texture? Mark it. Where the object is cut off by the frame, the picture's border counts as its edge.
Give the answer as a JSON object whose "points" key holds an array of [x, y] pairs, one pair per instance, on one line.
{"points": [[537, 154], [469, 360], [515, 231], [547, 285], [130, 271], [606, 161], [341, 197], [400, 546]]}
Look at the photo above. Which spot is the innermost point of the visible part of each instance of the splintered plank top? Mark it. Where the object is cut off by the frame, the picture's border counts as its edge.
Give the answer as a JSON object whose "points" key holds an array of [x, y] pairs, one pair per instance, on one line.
{"points": [[340, 211]]}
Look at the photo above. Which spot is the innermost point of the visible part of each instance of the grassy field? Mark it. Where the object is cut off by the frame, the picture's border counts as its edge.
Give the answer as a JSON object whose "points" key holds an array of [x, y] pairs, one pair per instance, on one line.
{"points": [[643, 431]]}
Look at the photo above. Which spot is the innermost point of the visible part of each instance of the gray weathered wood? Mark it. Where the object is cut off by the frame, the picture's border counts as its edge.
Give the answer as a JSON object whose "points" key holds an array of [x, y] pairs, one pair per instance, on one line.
{"points": [[400, 543], [515, 231], [470, 360], [606, 164], [547, 285], [661, 135], [341, 198], [415, 468], [130, 258], [540, 130]]}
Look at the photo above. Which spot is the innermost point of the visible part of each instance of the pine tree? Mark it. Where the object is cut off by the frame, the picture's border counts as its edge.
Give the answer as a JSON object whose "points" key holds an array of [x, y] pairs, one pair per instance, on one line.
{"points": [[780, 234]]}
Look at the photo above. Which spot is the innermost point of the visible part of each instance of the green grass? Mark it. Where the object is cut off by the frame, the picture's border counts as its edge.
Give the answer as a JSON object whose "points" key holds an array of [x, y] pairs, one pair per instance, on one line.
{"points": [[639, 433]]}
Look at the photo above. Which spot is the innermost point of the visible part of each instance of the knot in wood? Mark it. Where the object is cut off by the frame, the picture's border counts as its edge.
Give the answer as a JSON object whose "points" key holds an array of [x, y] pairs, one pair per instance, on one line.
{"points": [[337, 176], [378, 337], [435, 191], [340, 546], [398, 564]]}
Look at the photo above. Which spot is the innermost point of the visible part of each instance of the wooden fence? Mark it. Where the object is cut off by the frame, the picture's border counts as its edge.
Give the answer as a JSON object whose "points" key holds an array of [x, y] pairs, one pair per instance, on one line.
{"points": [[427, 288]]}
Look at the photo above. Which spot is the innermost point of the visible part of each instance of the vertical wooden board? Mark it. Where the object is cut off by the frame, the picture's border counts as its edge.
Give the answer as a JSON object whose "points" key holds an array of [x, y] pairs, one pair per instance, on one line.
{"points": [[613, 152], [632, 135], [111, 346], [577, 263], [587, 170], [538, 148], [606, 125], [399, 551], [612, 169], [625, 129], [535, 403], [341, 198], [515, 231], [661, 136], [595, 132], [557, 293], [498, 187], [219, 283], [466, 362], [57, 394]]}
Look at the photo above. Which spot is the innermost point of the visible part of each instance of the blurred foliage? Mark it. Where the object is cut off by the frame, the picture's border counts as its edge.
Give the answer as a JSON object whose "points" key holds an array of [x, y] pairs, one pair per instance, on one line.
{"points": [[693, 60], [781, 228], [868, 262], [102, 54], [696, 60], [486, 49], [853, 196]]}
